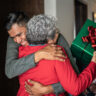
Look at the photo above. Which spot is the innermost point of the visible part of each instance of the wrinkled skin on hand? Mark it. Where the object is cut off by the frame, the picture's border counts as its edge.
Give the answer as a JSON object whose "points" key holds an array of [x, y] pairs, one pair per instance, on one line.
{"points": [[50, 52], [37, 89]]}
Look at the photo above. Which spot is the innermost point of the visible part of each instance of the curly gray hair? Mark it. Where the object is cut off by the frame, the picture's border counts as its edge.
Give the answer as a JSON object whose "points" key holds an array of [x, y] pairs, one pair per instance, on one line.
{"points": [[40, 29]]}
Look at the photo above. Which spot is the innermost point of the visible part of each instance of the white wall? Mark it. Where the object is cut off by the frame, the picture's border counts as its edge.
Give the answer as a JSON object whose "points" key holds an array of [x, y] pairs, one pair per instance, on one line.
{"points": [[50, 7], [64, 11], [65, 15]]}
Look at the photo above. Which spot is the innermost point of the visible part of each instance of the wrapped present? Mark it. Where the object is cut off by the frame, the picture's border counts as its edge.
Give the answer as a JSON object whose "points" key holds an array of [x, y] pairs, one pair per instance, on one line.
{"points": [[83, 46], [91, 38]]}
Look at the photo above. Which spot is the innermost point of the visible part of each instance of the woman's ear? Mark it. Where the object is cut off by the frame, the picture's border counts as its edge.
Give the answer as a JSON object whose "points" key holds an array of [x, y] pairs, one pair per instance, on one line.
{"points": [[50, 41]]}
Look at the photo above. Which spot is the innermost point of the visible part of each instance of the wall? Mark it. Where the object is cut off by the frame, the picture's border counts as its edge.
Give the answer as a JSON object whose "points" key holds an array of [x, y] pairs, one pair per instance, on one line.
{"points": [[65, 15], [64, 11], [50, 7]]}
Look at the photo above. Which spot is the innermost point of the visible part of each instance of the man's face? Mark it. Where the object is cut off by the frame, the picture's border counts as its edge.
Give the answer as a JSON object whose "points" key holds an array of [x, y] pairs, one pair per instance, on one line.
{"points": [[18, 33]]}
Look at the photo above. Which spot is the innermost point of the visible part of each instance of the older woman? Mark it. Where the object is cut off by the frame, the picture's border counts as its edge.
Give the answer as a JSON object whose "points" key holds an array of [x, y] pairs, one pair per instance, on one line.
{"points": [[41, 31]]}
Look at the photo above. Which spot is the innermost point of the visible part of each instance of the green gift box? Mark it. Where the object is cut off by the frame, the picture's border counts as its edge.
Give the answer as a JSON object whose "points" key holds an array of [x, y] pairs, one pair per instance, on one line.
{"points": [[83, 51]]}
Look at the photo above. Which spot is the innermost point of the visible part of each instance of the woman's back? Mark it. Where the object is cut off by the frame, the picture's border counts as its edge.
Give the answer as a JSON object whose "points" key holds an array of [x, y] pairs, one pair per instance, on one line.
{"points": [[44, 72]]}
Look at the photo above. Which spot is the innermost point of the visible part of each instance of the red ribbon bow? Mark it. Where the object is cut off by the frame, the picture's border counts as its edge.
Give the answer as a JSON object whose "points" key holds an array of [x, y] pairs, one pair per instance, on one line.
{"points": [[91, 37]]}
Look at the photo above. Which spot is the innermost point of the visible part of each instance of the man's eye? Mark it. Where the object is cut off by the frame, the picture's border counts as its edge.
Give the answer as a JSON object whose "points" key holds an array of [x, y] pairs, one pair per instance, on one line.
{"points": [[12, 37], [17, 35]]}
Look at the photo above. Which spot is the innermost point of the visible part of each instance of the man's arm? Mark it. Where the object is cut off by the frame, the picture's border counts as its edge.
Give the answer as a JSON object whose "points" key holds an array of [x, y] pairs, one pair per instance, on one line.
{"points": [[62, 42], [15, 66]]}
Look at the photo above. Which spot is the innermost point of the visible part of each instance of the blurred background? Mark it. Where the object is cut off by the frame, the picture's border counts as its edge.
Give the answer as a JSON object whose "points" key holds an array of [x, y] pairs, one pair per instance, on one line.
{"points": [[71, 15]]}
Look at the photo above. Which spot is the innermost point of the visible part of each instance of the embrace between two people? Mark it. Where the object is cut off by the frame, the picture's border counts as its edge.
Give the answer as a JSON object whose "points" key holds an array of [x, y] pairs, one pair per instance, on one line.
{"points": [[45, 63]]}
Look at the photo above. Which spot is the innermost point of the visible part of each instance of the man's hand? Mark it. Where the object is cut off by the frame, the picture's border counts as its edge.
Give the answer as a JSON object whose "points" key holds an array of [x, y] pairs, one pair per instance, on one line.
{"points": [[50, 52], [37, 89]]}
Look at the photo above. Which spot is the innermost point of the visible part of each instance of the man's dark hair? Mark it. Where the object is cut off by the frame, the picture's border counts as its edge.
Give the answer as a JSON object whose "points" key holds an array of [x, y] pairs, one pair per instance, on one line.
{"points": [[18, 17]]}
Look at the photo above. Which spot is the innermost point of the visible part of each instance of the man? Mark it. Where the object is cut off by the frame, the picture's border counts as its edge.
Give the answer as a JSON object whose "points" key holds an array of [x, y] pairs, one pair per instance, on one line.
{"points": [[16, 27]]}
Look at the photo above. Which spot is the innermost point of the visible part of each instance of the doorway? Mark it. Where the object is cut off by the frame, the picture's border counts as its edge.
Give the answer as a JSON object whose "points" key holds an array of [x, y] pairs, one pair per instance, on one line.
{"points": [[80, 14]]}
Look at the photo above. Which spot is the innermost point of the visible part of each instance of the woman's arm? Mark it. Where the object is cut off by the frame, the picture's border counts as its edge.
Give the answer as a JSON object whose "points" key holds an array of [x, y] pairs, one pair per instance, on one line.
{"points": [[62, 42], [71, 82]]}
